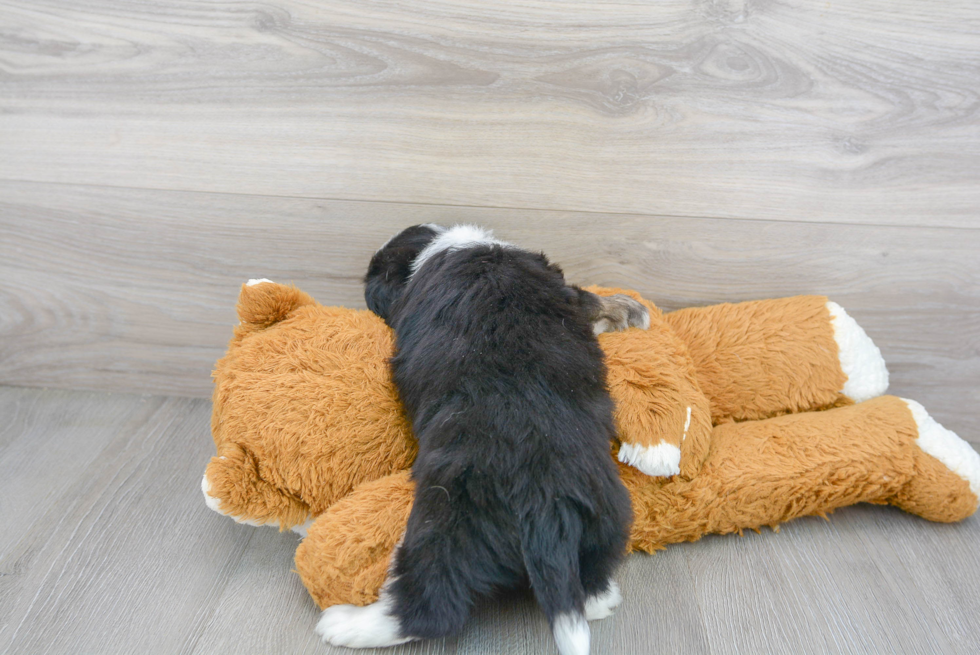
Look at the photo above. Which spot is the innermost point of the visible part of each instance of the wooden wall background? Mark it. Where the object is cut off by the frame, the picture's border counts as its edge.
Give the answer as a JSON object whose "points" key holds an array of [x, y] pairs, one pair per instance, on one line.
{"points": [[154, 154]]}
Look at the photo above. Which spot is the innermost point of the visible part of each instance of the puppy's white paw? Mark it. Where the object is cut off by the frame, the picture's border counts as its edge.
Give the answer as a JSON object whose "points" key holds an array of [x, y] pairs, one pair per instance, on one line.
{"points": [[359, 627], [602, 606]]}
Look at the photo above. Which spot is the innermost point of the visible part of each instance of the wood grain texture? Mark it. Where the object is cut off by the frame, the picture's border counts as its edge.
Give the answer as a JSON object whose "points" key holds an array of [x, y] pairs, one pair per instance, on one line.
{"points": [[134, 290], [863, 111], [834, 587], [113, 551], [123, 561]]}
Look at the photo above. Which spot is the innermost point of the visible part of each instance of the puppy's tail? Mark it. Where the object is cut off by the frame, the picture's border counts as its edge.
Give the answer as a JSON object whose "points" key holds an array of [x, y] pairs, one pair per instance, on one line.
{"points": [[550, 542]]}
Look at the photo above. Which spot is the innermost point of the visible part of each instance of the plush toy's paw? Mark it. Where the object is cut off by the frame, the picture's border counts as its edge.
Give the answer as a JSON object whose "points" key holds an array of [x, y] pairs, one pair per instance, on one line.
{"points": [[253, 282], [860, 359], [360, 627], [946, 446], [662, 460], [215, 504], [601, 606], [227, 474], [620, 312]]}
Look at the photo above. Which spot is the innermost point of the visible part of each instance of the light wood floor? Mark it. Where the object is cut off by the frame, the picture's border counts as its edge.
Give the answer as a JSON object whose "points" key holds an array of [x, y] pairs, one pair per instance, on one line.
{"points": [[155, 154], [108, 547]]}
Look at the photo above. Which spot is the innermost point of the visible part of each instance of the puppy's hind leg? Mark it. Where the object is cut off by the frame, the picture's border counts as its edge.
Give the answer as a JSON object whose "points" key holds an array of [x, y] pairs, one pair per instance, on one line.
{"points": [[601, 604], [550, 541], [441, 566], [603, 545], [602, 550]]}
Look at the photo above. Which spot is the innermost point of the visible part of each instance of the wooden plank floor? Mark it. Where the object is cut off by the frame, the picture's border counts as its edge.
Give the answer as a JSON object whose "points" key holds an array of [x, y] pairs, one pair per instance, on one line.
{"points": [[108, 547]]}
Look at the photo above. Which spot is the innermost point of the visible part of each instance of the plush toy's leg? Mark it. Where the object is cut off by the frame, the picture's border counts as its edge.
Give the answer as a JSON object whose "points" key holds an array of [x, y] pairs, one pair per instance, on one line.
{"points": [[946, 484], [344, 558], [860, 359], [767, 472], [770, 357]]}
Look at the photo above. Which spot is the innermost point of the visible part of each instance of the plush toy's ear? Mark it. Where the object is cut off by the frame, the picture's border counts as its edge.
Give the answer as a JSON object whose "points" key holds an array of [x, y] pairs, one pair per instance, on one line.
{"points": [[263, 302]]}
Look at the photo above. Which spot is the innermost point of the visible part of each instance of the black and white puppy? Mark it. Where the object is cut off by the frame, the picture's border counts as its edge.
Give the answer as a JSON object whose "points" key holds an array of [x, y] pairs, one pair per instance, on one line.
{"points": [[501, 373]]}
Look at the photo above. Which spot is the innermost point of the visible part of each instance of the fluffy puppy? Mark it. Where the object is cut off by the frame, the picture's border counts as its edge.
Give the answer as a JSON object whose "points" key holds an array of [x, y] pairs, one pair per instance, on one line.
{"points": [[500, 371]]}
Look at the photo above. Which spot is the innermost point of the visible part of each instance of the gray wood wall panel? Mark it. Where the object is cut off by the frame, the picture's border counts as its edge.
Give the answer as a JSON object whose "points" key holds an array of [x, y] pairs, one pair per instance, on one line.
{"points": [[109, 548], [864, 111], [134, 290]]}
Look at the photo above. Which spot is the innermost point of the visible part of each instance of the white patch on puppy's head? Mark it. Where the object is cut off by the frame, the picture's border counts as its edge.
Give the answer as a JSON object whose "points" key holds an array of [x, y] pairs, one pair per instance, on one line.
{"points": [[457, 237], [432, 226]]}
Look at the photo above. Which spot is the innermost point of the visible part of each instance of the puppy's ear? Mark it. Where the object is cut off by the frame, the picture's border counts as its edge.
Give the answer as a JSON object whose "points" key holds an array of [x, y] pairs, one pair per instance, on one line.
{"points": [[386, 278], [391, 267]]}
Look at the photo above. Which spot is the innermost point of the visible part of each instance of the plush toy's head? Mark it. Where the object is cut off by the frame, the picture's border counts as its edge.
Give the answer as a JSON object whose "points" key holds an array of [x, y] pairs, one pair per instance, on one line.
{"points": [[305, 409]]}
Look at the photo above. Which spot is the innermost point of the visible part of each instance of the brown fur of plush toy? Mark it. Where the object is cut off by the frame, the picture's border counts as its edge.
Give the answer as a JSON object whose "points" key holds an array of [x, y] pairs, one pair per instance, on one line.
{"points": [[307, 425]]}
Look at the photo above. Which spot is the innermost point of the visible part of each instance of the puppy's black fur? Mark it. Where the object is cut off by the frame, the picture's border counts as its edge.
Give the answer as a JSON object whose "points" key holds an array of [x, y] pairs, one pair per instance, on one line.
{"points": [[505, 384]]}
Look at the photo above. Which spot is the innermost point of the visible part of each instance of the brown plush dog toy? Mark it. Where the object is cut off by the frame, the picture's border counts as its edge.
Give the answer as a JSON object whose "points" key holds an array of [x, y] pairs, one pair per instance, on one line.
{"points": [[730, 417]]}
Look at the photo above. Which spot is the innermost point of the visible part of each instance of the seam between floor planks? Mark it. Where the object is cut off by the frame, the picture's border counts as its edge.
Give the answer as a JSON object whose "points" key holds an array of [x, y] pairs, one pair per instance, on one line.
{"points": [[928, 224]]}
